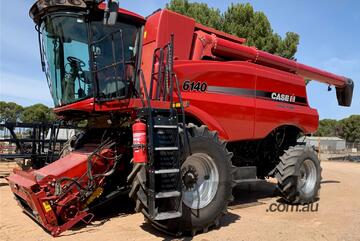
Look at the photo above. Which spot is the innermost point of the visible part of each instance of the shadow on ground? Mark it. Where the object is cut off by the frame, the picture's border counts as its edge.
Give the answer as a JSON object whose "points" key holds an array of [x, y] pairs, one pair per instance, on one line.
{"points": [[104, 213], [226, 220], [4, 184], [245, 195], [330, 182], [248, 195]]}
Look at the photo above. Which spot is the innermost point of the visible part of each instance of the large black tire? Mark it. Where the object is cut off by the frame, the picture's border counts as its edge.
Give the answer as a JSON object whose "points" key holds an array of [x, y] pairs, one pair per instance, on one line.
{"points": [[201, 140], [299, 175]]}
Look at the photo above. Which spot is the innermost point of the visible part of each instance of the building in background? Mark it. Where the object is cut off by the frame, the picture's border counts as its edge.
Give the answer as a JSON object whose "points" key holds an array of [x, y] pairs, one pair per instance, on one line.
{"points": [[325, 144]]}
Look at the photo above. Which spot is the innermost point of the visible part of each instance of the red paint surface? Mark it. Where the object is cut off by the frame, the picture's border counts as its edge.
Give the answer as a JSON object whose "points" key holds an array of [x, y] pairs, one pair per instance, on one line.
{"points": [[235, 117]]}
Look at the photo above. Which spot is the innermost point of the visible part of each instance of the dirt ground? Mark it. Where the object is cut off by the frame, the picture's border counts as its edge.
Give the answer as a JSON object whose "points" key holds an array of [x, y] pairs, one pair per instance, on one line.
{"points": [[249, 218]]}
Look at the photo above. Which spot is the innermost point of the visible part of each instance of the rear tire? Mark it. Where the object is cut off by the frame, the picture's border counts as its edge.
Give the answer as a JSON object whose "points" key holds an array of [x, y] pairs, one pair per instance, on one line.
{"points": [[208, 151], [299, 175]]}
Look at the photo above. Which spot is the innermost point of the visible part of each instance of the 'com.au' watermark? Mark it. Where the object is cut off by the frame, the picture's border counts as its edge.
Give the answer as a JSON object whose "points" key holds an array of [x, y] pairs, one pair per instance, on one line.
{"points": [[283, 207]]}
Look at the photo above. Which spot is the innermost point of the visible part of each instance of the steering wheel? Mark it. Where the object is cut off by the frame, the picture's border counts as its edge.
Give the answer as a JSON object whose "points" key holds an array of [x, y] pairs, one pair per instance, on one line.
{"points": [[79, 62]]}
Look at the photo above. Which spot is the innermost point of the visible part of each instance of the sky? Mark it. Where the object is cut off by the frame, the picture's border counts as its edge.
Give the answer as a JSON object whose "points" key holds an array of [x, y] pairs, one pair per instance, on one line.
{"points": [[329, 39]]}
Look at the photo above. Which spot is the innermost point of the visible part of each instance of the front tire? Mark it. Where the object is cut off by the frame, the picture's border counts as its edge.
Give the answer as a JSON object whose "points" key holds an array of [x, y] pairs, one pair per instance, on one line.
{"points": [[206, 173], [299, 175]]}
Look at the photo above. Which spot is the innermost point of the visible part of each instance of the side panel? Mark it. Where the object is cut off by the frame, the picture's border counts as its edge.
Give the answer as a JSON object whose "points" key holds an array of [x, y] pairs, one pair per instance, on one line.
{"points": [[242, 100], [227, 104], [281, 100]]}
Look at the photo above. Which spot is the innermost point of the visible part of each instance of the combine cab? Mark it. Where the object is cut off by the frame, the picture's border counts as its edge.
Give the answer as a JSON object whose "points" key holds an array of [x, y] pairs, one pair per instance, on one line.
{"points": [[177, 114]]}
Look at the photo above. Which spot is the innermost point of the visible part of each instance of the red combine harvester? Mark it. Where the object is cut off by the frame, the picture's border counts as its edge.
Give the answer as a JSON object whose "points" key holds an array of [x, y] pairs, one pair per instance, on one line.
{"points": [[177, 114]]}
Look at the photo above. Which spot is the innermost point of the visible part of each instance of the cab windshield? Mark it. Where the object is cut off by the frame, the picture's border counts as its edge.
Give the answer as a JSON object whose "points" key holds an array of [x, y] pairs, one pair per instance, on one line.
{"points": [[83, 58]]}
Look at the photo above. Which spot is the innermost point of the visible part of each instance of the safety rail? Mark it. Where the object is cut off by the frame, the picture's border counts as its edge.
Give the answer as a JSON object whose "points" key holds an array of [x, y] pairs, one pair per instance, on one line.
{"points": [[163, 80]]}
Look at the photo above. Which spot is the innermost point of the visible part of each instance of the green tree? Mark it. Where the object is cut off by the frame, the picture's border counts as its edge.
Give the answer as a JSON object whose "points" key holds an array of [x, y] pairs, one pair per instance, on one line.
{"points": [[350, 128], [10, 111], [37, 113], [328, 127], [241, 20], [199, 11]]}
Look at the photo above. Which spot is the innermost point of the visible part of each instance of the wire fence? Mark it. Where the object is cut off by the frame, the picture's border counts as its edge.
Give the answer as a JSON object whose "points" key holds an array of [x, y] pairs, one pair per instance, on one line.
{"points": [[353, 145]]}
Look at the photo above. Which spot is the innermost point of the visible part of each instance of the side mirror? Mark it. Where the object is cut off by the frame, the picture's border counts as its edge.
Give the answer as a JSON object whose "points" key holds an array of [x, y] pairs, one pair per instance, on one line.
{"points": [[111, 13]]}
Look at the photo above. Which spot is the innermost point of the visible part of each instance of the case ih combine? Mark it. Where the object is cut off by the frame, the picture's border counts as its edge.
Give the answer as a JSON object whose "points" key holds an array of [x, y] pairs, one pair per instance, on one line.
{"points": [[177, 114]]}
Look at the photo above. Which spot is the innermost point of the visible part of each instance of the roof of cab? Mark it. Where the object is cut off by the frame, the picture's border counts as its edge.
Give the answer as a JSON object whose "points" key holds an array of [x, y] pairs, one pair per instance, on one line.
{"points": [[126, 12]]}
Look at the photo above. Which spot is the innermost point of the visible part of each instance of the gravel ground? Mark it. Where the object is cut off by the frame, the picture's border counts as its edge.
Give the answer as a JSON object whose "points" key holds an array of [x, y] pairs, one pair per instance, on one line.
{"points": [[337, 216]]}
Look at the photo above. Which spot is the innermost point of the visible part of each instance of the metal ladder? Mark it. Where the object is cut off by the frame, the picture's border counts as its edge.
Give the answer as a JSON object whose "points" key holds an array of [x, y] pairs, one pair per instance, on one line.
{"points": [[164, 196], [164, 175]]}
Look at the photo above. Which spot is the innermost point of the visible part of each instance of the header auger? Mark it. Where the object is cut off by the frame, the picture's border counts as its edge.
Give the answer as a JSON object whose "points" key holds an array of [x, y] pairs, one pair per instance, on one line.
{"points": [[177, 114]]}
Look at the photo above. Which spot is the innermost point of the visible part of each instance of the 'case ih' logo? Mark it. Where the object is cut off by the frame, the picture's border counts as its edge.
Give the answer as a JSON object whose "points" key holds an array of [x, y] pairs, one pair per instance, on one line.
{"points": [[283, 97]]}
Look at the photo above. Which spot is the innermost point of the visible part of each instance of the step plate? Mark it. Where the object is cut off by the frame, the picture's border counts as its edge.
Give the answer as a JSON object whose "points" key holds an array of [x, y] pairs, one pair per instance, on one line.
{"points": [[168, 194], [167, 215], [171, 148], [165, 127], [167, 171]]}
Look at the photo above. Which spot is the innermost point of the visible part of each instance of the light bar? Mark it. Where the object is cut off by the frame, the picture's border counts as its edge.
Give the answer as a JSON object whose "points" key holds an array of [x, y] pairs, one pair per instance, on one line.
{"points": [[42, 5]]}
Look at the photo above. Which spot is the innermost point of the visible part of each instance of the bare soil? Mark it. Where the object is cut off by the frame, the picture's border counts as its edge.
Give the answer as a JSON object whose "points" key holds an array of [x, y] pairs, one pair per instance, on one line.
{"points": [[249, 218]]}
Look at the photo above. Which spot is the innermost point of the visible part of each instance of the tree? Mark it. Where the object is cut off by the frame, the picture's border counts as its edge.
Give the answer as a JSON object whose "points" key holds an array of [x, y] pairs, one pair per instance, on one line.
{"points": [[37, 113], [328, 127], [10, 111], [199, 11], [241, 20], [350, 128]]}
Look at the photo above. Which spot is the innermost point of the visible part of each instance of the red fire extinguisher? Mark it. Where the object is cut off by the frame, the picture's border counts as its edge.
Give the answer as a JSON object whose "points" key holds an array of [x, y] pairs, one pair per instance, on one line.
{"points": [[139, 142]]}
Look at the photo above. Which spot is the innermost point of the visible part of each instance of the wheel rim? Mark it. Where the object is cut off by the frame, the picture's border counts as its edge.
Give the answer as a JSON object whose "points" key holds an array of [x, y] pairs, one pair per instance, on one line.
{"points": [[307, 179], [200, 178]]}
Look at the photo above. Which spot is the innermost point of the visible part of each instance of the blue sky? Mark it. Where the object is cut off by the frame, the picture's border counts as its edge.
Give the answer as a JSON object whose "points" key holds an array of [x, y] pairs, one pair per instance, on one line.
{"points": [[329, 39]]}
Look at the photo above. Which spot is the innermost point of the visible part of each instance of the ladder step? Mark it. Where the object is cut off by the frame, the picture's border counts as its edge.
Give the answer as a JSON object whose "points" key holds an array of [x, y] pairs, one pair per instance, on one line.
{"points": [[168, 194], [171, 148], [167, 215], [165, 127], [167, 171]]}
